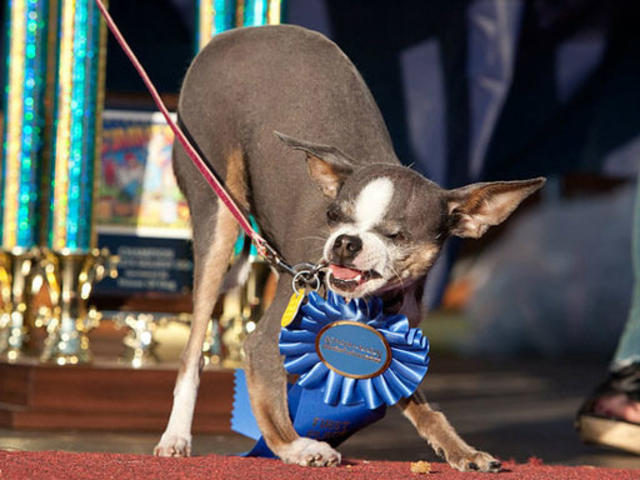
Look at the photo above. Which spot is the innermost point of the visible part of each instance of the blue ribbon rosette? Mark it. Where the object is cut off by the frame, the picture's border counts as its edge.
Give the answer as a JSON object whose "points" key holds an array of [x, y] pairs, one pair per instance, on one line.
{"points": [[353, 352], [352, 360]]}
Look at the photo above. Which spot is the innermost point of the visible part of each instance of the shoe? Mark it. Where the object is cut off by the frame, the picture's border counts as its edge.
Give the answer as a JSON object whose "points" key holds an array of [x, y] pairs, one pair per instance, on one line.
{"points": [[600, 427]]}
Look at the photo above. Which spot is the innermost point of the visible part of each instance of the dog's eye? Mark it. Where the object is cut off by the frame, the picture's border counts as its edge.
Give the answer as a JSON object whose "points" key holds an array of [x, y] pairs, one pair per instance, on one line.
{"points": [[395, 235], [333, 215]]}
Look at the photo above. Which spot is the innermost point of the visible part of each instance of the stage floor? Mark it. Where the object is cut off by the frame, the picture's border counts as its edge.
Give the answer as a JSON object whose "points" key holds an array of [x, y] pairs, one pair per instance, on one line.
{"points": [[513, 409]]}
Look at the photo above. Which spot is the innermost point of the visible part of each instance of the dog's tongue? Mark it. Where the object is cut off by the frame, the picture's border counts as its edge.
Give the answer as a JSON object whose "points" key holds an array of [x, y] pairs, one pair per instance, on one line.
{"points": [[344, 273]]}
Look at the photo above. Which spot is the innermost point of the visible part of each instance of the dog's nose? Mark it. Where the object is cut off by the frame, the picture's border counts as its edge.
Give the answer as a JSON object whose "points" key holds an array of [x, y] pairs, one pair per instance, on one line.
{"points": [[347, 246]]}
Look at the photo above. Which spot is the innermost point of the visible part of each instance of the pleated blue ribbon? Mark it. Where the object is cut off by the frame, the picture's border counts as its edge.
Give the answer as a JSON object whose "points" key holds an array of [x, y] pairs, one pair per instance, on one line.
{"points": [[352, 360], [407, 348]]}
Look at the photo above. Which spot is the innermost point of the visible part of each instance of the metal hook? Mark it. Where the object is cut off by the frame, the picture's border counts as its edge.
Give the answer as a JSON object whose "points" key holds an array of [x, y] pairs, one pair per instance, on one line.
{"points": [[307, 278]]}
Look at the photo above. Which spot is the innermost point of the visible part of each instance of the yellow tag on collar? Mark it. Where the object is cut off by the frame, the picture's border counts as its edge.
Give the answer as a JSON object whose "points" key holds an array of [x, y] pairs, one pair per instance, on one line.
{"points": [[292, 308]]}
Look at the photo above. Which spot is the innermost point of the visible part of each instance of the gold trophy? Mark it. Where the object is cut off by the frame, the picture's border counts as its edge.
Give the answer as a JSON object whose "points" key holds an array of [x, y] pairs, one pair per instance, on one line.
{"points": [[139, 342], [16, 269], [212, 346], [242, 308], [70, 278]]}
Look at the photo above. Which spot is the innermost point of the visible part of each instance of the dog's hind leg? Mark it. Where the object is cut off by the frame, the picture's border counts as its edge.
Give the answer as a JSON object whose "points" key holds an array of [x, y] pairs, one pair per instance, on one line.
{"points": [[214, 233], [267, 384]]}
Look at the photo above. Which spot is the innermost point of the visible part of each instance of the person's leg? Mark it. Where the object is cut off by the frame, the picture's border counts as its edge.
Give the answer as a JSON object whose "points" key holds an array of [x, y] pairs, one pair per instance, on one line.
{"points": [[611, 415], [621, 398], [628, 351], [622, 401]]}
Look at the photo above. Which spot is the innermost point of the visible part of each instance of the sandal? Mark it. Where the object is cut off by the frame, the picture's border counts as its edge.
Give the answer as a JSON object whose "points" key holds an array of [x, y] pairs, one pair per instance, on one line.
{"points": [[598, 425]]}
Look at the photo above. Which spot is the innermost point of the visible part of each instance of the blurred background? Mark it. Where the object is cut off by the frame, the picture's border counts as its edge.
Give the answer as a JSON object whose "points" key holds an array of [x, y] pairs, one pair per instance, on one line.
{"points": [[471, 91], [478, 91]]}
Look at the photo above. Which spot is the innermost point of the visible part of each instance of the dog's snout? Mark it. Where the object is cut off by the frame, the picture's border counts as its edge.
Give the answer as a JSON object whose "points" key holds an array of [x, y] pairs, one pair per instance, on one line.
{"points": [[347, 246]]}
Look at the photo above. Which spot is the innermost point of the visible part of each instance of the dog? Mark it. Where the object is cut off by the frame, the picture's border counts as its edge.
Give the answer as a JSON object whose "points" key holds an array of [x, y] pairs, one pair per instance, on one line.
{"points": [[326, 186]]}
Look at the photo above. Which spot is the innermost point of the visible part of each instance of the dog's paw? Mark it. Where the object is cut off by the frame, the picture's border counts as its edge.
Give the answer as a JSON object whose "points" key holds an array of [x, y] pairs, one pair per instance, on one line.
{"points": [[173, 446], [475, 461], [310, 453]]}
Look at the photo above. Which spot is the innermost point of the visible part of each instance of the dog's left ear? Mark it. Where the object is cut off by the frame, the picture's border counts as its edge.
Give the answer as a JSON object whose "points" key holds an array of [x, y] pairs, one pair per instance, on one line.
{"points": [[328, 166], [475, 208]]}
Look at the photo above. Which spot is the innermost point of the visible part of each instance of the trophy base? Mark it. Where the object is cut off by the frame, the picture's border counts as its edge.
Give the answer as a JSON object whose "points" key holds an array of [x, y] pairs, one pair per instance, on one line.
{"points": [[106, 396], [12, 355], [79, 353]]}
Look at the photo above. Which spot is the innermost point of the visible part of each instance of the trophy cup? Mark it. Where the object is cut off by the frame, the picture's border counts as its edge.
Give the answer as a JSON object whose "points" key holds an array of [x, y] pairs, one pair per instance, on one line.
{"points": [[242, 308], [139, 342], [71, 263], [16, 268], [70, 278]]}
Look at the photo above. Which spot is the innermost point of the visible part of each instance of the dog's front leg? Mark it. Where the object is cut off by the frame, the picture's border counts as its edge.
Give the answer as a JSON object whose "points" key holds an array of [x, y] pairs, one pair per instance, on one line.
{"points": [[438, 432], [176, 439], [267, 384], [212, 252]]}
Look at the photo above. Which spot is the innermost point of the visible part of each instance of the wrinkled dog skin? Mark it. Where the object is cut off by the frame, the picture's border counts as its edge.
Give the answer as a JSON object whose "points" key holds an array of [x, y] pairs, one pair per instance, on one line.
{"points": [[288, 124]]}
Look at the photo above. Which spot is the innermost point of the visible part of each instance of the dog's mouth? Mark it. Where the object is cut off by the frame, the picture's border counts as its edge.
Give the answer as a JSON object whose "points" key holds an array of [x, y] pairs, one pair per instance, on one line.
{"points": [[349, 279]]}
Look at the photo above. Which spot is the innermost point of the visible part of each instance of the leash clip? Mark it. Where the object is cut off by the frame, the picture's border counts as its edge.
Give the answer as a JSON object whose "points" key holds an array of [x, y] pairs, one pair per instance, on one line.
{"points": [[307, 275], [267, 252]]}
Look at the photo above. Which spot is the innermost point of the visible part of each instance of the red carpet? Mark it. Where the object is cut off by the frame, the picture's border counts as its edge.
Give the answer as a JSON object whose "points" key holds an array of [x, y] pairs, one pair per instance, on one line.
{"points": [[71, 466]]}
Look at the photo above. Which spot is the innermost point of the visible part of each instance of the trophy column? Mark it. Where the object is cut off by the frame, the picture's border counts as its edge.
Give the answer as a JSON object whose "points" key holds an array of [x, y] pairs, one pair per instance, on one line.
{"points": [[23, 136], [72, 263]]}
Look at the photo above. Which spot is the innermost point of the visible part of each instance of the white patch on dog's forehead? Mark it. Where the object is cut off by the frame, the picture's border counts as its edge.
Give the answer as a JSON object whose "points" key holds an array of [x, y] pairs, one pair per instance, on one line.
{"points": [[372, 202]]}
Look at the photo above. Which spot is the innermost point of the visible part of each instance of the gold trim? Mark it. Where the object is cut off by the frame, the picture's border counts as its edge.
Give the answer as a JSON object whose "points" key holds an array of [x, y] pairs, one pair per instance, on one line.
{"points": [[98, 129], [274, 12], [362, 325], [206, 14], [240, 13]]}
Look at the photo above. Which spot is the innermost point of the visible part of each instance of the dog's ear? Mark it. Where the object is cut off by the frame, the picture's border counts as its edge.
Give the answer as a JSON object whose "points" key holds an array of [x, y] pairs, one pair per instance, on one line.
{"points": [[328, 166], [475, 208]]}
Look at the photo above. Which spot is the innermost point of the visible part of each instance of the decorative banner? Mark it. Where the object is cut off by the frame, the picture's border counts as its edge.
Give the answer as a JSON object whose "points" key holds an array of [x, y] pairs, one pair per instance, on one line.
{"points": [[23, 125], [78, 105], [215, 16], [136, 190], [352, 361], [141, 216]]}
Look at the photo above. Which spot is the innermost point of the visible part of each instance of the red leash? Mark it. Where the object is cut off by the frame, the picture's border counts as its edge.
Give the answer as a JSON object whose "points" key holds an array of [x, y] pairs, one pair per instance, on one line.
{"points": [[263, 247]]}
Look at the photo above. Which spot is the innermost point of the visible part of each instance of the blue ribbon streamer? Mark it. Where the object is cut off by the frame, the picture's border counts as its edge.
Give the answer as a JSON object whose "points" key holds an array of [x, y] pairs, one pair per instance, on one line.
{"points": [[311, 417]]}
